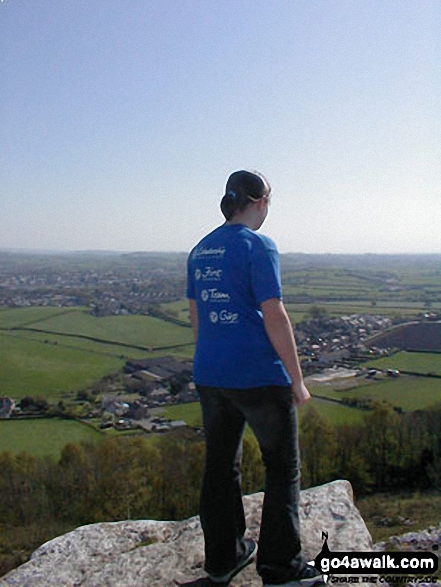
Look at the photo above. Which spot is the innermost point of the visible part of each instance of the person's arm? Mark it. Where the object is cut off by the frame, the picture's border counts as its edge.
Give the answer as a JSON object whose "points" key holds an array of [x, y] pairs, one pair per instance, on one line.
{"points": [[281, 335], [194, 318]]}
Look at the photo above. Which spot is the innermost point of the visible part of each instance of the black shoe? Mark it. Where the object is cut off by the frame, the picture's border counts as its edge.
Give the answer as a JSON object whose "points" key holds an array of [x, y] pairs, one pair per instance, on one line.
{"points": [[246, 559], [309, 577]]}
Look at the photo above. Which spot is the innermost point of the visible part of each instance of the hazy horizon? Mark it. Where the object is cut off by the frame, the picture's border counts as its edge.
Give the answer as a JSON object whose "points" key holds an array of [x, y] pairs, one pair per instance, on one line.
{"points": [[184, 252]]}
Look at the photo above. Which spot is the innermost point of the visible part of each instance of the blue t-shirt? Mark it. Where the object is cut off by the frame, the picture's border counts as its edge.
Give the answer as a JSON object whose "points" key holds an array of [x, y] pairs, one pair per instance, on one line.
{"points": [[230, 273]]}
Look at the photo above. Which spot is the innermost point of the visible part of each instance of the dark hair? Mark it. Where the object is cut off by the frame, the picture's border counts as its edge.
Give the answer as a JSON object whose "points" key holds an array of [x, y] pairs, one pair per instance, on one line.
{"points": [[242, 188]]}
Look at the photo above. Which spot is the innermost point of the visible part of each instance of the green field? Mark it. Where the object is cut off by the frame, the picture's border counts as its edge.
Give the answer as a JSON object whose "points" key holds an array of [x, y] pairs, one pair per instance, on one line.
{"points": [[406, 392], [335, 413], [423, 363], [56, 359], [31, 367], [191, 413], [45, 437], [21, 317], [144, 331]]}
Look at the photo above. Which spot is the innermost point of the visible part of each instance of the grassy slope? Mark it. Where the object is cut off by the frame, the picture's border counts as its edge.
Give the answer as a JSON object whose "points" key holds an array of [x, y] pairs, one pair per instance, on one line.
{"points": [[43, 437], [10, 318], [143, 331], [409, 393], [31, 367], [416, 362], [50, 364]]}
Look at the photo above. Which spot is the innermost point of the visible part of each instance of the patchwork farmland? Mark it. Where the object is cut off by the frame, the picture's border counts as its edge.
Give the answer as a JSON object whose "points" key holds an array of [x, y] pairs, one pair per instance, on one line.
{"points": [[58, 351]]}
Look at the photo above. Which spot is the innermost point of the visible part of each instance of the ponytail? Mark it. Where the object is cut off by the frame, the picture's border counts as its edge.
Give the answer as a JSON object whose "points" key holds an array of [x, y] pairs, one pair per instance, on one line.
{"points": [[229, 204], [242, 188]]}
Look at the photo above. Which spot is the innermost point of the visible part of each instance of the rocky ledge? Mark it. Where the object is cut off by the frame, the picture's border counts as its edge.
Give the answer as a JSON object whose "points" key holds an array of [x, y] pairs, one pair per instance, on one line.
{"points": [[428, 540], [166, 554]]}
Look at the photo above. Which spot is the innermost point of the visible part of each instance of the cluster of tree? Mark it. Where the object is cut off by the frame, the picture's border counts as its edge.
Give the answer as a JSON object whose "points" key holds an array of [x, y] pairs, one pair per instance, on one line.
{"points": [[388, 451], [129, 478], [115, 479], [364, 403], [37, 405]]}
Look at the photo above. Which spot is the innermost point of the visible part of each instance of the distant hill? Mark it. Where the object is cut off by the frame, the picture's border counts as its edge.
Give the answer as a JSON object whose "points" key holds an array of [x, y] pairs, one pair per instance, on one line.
{"points": [[418, 336], [368, 261]]}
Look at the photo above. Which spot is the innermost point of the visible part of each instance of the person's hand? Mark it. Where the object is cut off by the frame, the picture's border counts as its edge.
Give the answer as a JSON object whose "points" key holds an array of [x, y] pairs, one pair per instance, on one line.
{"points": [[300, 394]]}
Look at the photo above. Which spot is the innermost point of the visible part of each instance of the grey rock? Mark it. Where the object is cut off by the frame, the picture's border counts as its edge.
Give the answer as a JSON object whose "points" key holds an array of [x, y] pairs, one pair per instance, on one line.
{"points": [[159, 554], [428, 540]]}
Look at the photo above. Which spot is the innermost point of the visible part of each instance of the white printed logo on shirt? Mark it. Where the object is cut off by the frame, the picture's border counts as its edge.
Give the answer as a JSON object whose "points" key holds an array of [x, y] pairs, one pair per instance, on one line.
{"points": [[227, 317], [214, 295], [209, 274], [203, 252], [224, 317]]}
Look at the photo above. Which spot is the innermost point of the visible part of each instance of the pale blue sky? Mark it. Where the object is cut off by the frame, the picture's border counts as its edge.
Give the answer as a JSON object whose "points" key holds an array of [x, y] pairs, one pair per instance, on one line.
{"points": [[121, 120]]}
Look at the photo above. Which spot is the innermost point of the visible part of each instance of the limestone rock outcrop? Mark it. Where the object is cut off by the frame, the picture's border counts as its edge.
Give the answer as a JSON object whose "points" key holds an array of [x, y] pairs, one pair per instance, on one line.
{"points": [[148, 553]]}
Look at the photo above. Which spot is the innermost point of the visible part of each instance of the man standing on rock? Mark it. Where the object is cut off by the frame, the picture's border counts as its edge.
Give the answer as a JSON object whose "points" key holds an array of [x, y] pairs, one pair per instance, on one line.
{"points": [[246, 369]]}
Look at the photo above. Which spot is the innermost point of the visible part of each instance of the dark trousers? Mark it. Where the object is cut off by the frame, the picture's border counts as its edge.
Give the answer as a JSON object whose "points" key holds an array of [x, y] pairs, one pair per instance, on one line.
{"points": [[271, 414]]}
